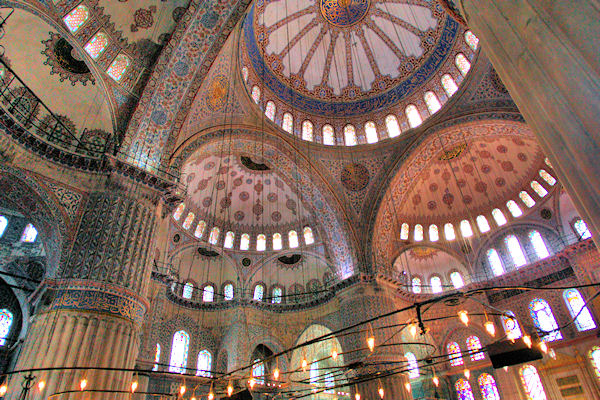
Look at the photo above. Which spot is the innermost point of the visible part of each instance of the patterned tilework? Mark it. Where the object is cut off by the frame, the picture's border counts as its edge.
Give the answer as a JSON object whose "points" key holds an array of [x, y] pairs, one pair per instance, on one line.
{"points": [[68, 199]]}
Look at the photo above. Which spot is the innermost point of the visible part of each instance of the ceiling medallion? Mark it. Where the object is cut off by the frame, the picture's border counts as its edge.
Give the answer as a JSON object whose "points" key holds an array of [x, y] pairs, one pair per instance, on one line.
{"points": [[344, 13]]}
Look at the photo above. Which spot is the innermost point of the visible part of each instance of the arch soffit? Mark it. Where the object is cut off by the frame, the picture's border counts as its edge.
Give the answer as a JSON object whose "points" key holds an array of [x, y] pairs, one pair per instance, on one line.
{"points": [[461, 258], [272, 257]]}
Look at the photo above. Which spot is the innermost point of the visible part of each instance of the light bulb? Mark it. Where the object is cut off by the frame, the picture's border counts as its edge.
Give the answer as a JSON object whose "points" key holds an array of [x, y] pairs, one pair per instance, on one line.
{"points": [[490, 328], [3, 389], [371, 343], [193, 398], [182, 390], [276, 373], [407, 386], [134, 386], [83, 384], [334, 354], [252, 382], [41, 385], [357, 396], [381, 392], [463, 315], [467, 373], [436, 381], [211, 395], [544, 347], [412, 328], [304, 364], [527, 340], [229, 390]]}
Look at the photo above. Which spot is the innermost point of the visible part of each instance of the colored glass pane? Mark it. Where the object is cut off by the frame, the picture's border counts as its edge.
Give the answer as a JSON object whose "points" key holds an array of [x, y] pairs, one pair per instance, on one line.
{"points": [[465, 228], [188, 221], [156, 358], [474, 345], [307, 130], [418, 233], [277, 243], [371, 132], [270, 110], [462, 63], [350, 135], [498, 217], [178, 211], [188, 290], [214, 235], [413, 365], [277, 295], [255, 94], [179, 352], [413, 116], [259, 292], [29, 234], [328, 135], [118, 67], [293, 239], [261, 242], [487, 387], [393, 128], [6, 320], [258, 371], [581, 229], [511, 325], [228, 292], [433, 104], [515, 250], [245, 74], [495, 262], [482, 224], [532, 384], [472, 41], [404, 230], [200, 229], [449, 85], [204, 363], [457, 280], [594, 355], [550, 180], [578, 310], [449, 232], [539, 189], [416, 284], [76, 18], [229, 238], [463, 390], [544, 320], [288, 123], [208, 294], [3, 225], [308, 235], [526, 199], [434, 235], [454, 354], [514, 209], [436, 284], [245, 241], [538, 244], [96, 46]]}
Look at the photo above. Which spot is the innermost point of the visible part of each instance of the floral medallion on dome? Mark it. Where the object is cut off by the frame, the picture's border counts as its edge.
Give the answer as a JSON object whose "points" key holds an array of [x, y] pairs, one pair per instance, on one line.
{"points": [[344, 13], [66, 61], [422, 253], [355, 177]]}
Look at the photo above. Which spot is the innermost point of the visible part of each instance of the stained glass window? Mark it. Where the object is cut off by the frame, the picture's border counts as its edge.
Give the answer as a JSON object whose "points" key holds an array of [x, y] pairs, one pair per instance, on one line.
{"points": [[307, 130], [465, 228], [416, 284], [293, 239], [413, 365], [482, 224], [433, 104], [436, 284], [328, 135], [404, 230], [259, 291], [228, 292], [498, 217], [204, 363], [288, 123], [179, 352], [434, 235], [457, 280], [515, 250], [261, 242], [6, 320], [495, 262], [594, 355], [255, 94], [277, 244], [539, 189], [188, 220], [472, 41], [526, 199], [514, 209], [270, 110], [229, 238], [453, 350], [473, 345], [3, 225], [548, 163], [413, 116], [487, 387], [542, 316], [371, 132], [550, 180], [29, 234], [449, 85], [245, 241], [308, 235], [313, 373], [76, 18], [578, 310], [538, 244], [463, 390], [511, 325], [214, 235], [245, 73], [96, 46], [188, 290], [449, 232], [258, 371], [178, 211], [208, 294], [462, 63], [118, 67], [532, 383], [581, 229], [350, 135], [156, 358], [391, 123], [418, 232], [277, 295], [200, 229]]}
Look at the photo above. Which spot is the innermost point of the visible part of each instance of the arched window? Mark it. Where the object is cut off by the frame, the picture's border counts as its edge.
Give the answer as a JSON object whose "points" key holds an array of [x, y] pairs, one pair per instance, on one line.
{"points": [[214, 235], [487, 387], [453, 350], [179, 352], [204, 363], [578, 310], [463, 390], [255, 94], [288, 123], [29, 234], [228, 292], [548, 163], [404, 231], [539, 189], [465, 228], [511, 325], [208, 294], [261, 242], [393, 128], [473, 42], [474, 347], [156, 358], [413, 116], [188, 220], [188, 290], [371, 132], [258, 371], [270, 110], [449, 232], [515, 250], [594, 355], [433, 104], [418, 233], [229, 238], [416, 284], [293, 239], [514, 209], [550, 180], [526, 199], [245, 241], [542, 316], [532, 383], [277, 295], [6, 320], [413, 365], [308, 235], [436, 284], [449, 85], [482, 224], [462, 63], [277, 243], [538, 244], [328, 135], [457, 280], [76, 18], [498, 217], [200, 229], [118, 67], [350, 135], [178, 212], [96, 46], [3, 225], [581, 229], [245, 73], [259, 292], [307, 130], [434, 235], [495, 262]]}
